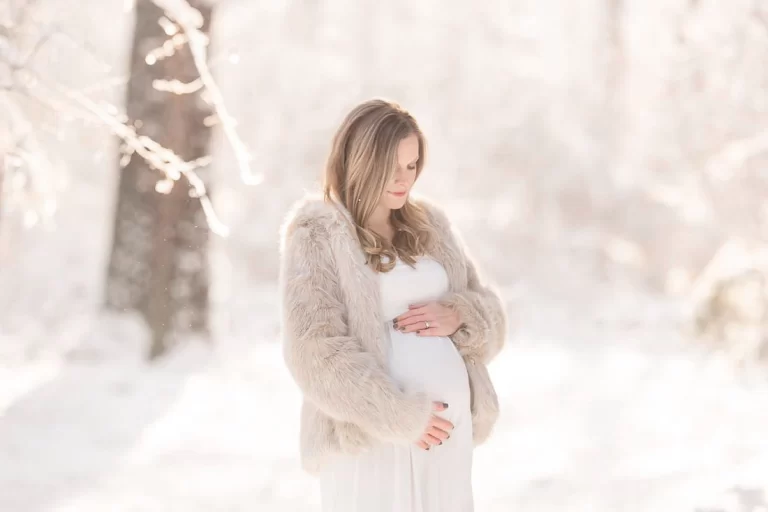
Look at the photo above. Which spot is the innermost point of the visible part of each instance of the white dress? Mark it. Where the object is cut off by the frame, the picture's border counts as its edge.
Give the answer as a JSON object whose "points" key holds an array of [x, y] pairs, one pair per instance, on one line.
{"points": [[402, 477]]}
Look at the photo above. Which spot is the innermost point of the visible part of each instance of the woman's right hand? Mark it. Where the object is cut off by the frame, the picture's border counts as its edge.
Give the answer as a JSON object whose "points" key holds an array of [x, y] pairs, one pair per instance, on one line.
{"points": [[438, 429]]}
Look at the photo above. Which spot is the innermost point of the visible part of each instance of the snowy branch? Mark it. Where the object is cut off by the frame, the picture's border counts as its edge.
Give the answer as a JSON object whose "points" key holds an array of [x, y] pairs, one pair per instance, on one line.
{"points": [[26, 168], [736, 153], [23, 81], [26, 183], [191, 21], [158, 157]]}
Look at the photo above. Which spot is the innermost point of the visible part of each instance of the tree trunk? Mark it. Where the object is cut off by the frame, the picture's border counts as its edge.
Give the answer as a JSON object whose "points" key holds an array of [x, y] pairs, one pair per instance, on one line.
{"points": [[158, 264]]}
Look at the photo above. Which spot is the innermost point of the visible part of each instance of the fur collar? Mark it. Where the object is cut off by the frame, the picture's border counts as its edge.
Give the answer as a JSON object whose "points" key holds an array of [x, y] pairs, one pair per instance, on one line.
{"points": [[314, 212]]}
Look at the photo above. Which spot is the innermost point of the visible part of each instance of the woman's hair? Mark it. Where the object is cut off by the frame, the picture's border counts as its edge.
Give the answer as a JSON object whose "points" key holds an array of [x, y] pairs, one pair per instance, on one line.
{"points": [[362, 161]]}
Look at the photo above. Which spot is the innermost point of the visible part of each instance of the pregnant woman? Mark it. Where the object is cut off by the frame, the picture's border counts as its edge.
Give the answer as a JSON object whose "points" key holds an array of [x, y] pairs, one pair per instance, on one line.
{"points": [[387, 328]]}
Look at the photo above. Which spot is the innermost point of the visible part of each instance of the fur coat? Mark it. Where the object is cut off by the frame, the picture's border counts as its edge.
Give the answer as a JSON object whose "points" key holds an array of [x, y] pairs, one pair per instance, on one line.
{"points": [[335, 343]]}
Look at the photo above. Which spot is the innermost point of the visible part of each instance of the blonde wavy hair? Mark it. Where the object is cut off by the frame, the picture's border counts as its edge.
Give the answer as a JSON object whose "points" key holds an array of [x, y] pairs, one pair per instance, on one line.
{"points": [[362, 161]]}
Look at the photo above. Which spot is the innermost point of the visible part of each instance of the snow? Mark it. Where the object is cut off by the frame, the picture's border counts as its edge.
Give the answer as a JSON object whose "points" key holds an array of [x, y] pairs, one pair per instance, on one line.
{"points": [[627, 423], [607, 404]]}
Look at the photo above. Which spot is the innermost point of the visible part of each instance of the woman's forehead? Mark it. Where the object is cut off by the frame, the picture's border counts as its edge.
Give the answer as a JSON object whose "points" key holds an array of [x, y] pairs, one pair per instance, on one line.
{"points": [[408, 149]]}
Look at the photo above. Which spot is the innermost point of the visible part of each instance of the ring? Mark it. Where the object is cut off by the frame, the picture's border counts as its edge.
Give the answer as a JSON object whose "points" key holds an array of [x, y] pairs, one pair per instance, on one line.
{"points": [[426, 324]]}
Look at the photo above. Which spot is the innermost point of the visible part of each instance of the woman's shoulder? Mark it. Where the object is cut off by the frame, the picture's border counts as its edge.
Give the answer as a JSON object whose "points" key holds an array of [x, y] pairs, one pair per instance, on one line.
{"points": [[317, 217], [436, 214], [313, 215]]}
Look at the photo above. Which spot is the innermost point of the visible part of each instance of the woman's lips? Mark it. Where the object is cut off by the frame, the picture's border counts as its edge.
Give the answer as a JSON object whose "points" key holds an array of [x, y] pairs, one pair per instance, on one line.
{"points": [[398, 194]]}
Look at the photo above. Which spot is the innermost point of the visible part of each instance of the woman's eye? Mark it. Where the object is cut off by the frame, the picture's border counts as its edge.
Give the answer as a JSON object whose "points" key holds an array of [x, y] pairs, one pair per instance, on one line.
{"points": [[412, 167]]}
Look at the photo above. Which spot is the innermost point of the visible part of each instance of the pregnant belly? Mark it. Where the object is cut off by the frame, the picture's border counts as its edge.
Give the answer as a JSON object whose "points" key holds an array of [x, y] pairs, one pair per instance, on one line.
{"points": [[431, 365]]}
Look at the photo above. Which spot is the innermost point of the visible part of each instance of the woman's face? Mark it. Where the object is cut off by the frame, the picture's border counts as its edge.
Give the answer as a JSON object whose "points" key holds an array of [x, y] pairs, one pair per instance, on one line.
{"points": [[396, 192]]}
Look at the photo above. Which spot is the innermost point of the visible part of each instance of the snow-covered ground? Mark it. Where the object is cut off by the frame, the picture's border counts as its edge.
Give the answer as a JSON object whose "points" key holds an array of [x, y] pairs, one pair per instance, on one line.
{"points": [[630, 420]]}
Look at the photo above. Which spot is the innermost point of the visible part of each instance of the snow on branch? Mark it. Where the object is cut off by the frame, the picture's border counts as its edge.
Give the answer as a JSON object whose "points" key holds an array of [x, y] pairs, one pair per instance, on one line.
{"points": [[182, 23], [191, 21], [157, 156], [724, 163], [25, 170]]}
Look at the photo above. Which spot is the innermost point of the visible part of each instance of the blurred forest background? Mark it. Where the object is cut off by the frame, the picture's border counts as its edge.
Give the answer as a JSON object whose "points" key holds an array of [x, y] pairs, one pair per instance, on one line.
{"points": [[605, 160]]}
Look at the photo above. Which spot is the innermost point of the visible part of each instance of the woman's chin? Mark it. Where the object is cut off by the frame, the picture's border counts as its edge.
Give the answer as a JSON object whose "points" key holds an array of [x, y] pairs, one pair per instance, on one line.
{"points": [[395, 203]]}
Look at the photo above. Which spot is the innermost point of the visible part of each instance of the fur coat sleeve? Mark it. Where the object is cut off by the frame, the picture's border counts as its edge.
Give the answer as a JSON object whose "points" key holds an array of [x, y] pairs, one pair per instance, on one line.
{"points": [[331, 367], [484, 321]]}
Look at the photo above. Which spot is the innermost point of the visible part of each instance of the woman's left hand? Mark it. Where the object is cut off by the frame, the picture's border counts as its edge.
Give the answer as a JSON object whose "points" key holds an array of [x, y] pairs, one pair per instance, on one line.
{"points": [[429, 319]]}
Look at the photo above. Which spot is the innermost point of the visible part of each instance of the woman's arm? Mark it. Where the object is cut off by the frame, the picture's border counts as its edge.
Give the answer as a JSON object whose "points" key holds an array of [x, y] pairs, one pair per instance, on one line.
{"points": [[484, 321], [331, 367]]}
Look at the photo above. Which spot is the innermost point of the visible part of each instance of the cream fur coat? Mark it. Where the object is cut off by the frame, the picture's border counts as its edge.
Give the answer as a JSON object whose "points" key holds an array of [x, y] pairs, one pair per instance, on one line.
{"points": [[335, 343]]}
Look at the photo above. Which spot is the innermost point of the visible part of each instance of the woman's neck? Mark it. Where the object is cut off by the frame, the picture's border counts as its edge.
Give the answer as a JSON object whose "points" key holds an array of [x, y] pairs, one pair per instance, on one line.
{"points": [[380, 222]]}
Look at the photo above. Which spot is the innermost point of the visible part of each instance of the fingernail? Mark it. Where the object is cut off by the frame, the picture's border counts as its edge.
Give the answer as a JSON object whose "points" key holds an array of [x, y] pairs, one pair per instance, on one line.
{"points": [[428, 447], [445, 405], [441, 442]]}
